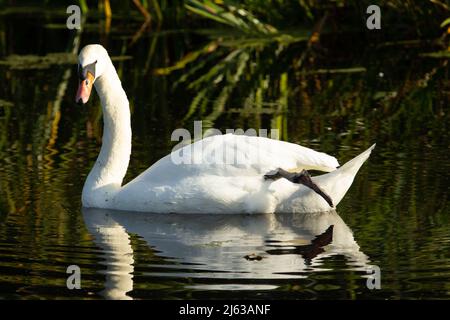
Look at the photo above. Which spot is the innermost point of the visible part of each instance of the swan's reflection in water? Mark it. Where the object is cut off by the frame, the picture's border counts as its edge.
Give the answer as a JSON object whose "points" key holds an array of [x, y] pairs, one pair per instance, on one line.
{"points": [[282, 246]]}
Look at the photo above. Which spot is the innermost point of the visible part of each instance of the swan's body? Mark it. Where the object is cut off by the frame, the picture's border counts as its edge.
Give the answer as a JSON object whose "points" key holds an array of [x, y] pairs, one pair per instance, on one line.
{"points": [[210, 183]]}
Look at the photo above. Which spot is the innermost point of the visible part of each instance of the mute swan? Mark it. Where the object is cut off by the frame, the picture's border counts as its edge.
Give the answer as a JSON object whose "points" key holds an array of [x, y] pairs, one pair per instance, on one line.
{"points": [[263, 183]]}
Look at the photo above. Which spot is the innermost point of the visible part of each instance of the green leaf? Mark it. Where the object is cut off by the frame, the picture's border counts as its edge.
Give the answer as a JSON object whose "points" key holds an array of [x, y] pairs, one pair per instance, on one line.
{"points": [[446, 22]]}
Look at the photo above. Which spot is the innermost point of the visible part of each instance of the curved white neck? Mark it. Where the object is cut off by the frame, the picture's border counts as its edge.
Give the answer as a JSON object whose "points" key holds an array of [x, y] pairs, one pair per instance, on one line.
{"points": [[105, 178]]}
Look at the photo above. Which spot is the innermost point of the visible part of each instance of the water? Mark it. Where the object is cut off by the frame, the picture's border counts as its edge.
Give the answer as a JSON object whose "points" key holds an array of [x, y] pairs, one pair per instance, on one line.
{"points": [[395, 216]]}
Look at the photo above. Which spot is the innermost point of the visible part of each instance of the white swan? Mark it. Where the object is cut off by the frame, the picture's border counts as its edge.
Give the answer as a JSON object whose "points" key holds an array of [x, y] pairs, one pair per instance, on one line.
{"points": [[206, 185]]}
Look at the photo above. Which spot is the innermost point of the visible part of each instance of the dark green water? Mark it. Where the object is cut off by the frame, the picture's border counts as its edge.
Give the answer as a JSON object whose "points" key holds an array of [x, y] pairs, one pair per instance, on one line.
{"points": [[354, 91]]}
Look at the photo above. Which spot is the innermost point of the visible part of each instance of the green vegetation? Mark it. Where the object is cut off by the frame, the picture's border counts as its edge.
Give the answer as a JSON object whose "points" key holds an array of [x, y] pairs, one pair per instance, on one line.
{"points": [[306, 67]]}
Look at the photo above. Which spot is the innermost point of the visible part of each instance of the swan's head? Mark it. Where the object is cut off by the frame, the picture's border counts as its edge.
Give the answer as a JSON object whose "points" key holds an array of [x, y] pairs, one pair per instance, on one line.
{"points": [[92, 63]]}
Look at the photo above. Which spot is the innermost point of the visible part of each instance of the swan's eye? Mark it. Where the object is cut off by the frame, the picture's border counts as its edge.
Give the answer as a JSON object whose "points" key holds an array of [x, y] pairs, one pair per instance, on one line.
{"points": [[87, 82]]}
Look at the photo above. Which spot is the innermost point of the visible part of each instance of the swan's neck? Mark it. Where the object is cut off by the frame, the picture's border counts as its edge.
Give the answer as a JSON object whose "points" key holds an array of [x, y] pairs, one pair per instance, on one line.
{"points": [[105, 178]]}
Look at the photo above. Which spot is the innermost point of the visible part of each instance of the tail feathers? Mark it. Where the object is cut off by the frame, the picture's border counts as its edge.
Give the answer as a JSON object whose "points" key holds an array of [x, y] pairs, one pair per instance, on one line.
{"points": [[337, 183], [356, 163]]}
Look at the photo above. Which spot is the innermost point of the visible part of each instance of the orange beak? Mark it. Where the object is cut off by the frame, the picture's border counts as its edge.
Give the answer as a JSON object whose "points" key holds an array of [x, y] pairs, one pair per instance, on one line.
{"points": [[85, 88]]}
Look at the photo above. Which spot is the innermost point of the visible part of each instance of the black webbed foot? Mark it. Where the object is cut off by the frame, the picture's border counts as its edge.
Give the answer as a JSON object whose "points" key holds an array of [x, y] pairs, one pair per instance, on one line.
{"points": [[302, 177], [273, 175]]}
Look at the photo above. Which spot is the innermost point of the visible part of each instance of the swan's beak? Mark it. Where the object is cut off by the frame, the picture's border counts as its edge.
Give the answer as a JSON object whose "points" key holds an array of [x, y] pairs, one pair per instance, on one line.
{"points": [[84, 89]]}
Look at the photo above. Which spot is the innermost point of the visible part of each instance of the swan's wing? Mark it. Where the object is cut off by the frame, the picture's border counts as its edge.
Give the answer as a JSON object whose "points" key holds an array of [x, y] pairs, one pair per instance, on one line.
{"points": [[236, 155]]}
